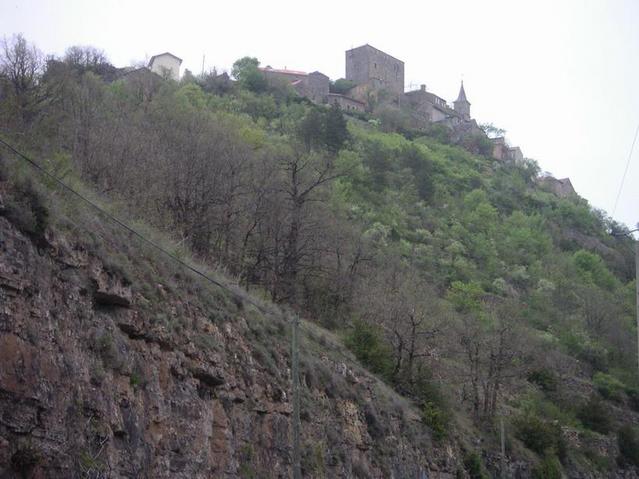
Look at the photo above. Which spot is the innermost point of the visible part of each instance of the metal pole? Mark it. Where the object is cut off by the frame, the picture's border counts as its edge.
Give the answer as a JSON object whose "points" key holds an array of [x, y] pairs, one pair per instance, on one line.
{"points": [[637, 295], [297, 470], [503, 448]]}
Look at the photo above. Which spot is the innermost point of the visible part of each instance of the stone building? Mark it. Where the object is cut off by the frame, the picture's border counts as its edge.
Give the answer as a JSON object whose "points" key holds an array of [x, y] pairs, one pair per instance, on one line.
{"points": [[426, 107], [166, 65], [462, 105], [314, 85], [346, 103], [562, 188], [367, 65], [502, 151]]}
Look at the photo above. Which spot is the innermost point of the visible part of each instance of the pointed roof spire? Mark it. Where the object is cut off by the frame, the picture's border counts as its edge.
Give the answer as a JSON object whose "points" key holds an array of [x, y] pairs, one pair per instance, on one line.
{"points": [[462, 94]]}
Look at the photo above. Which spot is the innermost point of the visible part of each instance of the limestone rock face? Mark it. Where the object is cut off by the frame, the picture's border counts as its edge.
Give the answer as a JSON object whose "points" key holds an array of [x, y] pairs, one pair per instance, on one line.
{"points": [[96, 383]]}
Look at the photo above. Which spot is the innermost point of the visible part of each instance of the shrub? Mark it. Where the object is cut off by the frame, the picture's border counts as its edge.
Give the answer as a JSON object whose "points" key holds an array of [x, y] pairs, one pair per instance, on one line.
{"points": [[541, 437], [594, 415], [544, 378], [368, 345], [375, 427], [474, 466], [25, 458], [628, 440], [608, 386], [26, 209], [435, 411], [436, 419], [548, 468], [600, 462], [633, 398]]}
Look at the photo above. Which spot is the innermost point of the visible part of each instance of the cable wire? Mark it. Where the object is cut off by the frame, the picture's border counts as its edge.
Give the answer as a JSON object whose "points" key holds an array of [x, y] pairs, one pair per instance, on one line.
{"points": [[625, 172]]}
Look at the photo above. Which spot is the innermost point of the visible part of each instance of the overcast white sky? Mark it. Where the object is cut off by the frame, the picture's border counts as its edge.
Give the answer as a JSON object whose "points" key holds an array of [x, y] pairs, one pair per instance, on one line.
{"points": [[562, 77]]}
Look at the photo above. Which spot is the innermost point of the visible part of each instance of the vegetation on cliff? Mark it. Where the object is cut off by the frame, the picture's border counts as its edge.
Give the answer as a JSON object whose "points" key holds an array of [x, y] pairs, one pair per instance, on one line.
{"points": [[456, 279]]}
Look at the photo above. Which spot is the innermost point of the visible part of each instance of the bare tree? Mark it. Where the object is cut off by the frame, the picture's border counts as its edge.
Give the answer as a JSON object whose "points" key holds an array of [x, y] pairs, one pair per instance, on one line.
{"points": [[22, 66], [408, 310], [491, 344]]}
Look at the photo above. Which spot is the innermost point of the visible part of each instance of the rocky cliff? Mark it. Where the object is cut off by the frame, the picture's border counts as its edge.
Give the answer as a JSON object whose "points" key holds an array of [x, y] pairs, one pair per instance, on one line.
{"points": [[101, 377]]}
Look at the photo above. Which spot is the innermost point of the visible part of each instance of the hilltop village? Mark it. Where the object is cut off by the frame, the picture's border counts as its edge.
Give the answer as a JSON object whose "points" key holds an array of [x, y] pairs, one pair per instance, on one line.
{"points": [[372, 79]]}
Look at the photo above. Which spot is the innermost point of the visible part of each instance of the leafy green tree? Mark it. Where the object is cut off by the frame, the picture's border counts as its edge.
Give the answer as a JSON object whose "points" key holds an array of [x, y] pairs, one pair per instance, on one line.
{"points": [[312, 129], [336, 133], [593, 269], [246, 71], [465, 296], [422, 167], [341, 86], [491, 130]]}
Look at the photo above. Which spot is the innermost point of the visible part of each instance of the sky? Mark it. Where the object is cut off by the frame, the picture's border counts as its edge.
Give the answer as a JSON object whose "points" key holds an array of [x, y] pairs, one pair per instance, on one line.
{"points": [[561, 77]]}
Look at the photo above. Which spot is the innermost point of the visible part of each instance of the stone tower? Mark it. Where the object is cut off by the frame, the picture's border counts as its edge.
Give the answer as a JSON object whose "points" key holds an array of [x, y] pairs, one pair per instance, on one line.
{"points": [[370, 66], [462, 105]]}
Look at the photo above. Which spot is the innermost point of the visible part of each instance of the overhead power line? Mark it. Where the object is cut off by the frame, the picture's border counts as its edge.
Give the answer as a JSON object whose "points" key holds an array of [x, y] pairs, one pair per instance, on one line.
{"points": [[625, 172]]}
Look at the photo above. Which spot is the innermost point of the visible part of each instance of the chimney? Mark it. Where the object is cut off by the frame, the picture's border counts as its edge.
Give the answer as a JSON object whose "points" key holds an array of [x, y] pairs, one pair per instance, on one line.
{"points": [[422, 87]]}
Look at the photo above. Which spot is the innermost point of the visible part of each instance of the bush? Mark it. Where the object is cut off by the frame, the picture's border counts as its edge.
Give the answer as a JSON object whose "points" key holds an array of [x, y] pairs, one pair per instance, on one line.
{"points": [[600, 462], [548, 468], [628, 440], [26, 209], [544, 378], [474, 466], [539, 436], [633, 398], [608, 386], [25, 458], [341, 86], [594, 415], [368, 345], [435, 411], [436, 419]]}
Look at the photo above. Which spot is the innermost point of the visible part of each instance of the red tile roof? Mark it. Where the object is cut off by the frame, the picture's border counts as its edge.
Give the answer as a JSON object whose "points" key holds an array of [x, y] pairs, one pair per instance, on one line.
{"points": [[285, 72]]}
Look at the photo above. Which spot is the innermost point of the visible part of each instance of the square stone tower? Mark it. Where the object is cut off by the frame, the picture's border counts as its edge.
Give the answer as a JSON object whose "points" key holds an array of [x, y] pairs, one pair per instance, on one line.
{"points": [[368, 65]]}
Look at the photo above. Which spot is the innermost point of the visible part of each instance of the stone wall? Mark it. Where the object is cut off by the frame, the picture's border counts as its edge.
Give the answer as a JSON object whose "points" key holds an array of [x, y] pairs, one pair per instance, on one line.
{"points": [[346, 103], [562, 188], [317, 87]]}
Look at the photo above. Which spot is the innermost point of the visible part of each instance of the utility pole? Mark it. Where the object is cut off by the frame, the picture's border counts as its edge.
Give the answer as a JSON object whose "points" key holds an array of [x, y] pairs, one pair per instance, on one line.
{"points": [[629, 233], [295, 371], [502, 437], [637, 294]]}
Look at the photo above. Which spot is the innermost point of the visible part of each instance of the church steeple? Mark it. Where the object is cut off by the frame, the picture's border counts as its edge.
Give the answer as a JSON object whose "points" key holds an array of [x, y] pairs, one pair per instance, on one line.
{"points": [[462, 105]]}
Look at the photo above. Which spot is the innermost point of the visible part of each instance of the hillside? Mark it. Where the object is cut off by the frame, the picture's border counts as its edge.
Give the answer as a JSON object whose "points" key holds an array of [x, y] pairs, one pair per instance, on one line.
{"points": [[443, 293], [146, 372]]}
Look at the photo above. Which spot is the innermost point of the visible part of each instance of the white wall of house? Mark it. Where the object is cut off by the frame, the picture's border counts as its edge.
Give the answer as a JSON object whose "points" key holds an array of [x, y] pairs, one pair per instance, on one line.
{"points": [[166, 66]]}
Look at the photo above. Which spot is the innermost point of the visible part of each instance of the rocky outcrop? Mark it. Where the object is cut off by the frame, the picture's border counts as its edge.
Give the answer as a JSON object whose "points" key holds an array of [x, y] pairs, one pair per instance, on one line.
{"points": [[97, 380]]}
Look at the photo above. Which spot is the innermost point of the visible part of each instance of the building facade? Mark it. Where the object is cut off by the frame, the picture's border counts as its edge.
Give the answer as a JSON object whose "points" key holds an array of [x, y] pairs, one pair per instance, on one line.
{"points": [[166, 65], [346, 103], [314, 86], [562, 188]]}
